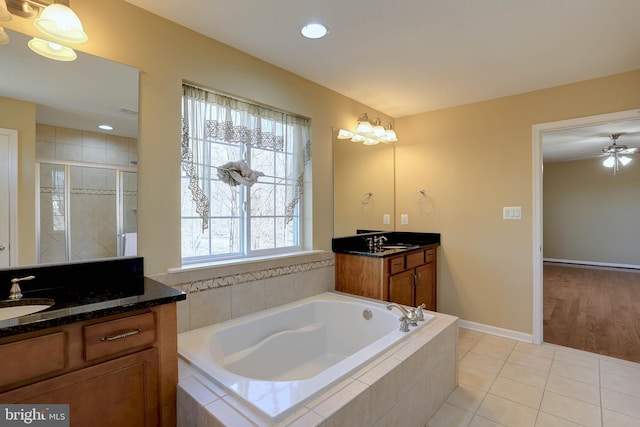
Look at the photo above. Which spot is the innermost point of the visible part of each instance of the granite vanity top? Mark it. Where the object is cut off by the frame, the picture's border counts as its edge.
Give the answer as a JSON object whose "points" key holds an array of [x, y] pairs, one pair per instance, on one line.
{"points": [[83, 291], [358, 244]]}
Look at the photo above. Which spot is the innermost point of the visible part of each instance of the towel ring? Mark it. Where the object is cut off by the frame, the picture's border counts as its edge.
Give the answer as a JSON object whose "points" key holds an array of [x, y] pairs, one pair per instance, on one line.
{"points": [[419, 196], [366, 198]]}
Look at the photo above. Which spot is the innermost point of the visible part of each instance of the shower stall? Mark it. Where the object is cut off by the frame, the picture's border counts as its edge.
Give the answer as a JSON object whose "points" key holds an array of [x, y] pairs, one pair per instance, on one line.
{"points": [[85, 211]]}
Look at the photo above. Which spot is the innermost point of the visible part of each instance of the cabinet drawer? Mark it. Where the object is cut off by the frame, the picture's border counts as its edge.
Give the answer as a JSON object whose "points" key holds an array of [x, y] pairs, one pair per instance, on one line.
{"points": [[430, 255], [31, 358], [107, 338], [396, 265], [415, 259]]}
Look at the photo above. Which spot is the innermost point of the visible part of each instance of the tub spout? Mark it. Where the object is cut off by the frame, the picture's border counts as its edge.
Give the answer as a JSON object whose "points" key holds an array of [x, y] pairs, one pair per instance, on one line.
{"points": [[410, 315]]}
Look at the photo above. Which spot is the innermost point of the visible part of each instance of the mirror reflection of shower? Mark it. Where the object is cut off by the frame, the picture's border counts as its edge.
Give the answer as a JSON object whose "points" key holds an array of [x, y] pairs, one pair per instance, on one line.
{"points": [[87, 195]]}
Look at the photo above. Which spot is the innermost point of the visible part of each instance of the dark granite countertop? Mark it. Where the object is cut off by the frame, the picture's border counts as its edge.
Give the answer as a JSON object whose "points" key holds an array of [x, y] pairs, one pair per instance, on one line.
{"points": [[84, 291], [358, 245]]}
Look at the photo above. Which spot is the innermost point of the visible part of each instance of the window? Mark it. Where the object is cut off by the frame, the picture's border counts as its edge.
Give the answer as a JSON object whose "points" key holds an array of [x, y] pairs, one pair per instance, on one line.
{"points": [[243, 174]]}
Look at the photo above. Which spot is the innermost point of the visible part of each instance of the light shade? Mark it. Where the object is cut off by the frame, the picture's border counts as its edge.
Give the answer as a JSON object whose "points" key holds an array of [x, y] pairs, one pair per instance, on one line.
{"points": [[62, 24], [4, 13], [624, 160], [52, 50], [345, 134], [4, 38], [609, 162]]}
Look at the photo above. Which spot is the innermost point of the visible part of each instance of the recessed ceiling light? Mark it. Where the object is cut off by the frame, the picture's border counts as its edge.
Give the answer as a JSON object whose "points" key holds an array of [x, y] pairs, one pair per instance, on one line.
{"points": [[314, 31], [105, 127]]}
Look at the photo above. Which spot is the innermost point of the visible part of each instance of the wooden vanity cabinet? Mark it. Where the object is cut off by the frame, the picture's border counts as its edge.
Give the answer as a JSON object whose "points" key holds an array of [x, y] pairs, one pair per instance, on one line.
{"points": [[117, 370], [408, 278]]}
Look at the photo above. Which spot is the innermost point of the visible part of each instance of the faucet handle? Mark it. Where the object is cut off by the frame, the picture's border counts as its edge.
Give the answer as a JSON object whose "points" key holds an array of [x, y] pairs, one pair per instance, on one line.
{"points": [[419, 311], [413, 317], [404, 324], [16, 292]]}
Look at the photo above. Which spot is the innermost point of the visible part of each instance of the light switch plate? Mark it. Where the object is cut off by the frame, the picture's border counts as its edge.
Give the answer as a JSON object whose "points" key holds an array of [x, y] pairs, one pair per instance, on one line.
{"points": [[512, 212], [404, 219]]}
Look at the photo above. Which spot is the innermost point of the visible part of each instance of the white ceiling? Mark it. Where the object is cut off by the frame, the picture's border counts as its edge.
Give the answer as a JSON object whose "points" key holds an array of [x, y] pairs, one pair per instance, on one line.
{"points": [[412, 56]]}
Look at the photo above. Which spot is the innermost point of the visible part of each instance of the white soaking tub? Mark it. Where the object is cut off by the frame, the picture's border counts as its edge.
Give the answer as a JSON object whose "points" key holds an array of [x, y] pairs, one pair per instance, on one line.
{"points": [[279, 358]]}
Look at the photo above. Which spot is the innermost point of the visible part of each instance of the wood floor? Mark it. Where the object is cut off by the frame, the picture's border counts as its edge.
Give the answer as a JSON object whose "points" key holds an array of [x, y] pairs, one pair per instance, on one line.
{"points": [[593, 310]]}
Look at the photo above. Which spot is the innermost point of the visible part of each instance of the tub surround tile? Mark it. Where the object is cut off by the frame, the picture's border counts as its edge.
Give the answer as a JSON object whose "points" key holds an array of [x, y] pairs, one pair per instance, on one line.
{"points": [[226, 415], [247, 298], [211, 306]]}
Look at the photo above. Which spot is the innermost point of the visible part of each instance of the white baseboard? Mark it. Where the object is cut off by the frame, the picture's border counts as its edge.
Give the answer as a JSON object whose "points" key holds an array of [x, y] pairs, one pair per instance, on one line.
{"points": [[494, 330], [591, 263]]}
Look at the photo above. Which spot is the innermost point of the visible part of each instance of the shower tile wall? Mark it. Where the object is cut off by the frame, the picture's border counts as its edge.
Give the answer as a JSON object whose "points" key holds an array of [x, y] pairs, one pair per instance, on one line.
{"points": [[93, 191]]}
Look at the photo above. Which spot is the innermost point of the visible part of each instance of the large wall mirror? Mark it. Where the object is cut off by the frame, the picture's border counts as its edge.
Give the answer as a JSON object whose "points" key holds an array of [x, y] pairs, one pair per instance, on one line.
{"points": [[85, 178], [363, 187]]}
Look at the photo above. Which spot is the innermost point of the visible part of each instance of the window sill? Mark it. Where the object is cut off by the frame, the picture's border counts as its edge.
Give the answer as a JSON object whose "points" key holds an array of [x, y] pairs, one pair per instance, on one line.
{"points": [[241, 261]]}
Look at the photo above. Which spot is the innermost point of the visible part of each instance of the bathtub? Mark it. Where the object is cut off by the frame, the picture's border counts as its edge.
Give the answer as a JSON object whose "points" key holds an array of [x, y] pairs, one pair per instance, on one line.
{"points": [[278, 359]]}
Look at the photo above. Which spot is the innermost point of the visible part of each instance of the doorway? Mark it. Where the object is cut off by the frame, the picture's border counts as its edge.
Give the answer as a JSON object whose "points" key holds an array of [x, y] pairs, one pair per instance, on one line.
{"points": [[537, 138]]}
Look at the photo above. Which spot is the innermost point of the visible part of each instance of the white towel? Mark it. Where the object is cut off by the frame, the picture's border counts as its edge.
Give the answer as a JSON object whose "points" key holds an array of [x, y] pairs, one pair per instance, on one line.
{"points": [[130, 244]]}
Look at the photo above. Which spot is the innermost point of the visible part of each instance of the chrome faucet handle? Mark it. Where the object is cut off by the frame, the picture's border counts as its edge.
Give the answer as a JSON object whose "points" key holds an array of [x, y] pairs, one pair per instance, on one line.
{"points": [[419, 311], [16, 292], [404, 324], [413, 317]]}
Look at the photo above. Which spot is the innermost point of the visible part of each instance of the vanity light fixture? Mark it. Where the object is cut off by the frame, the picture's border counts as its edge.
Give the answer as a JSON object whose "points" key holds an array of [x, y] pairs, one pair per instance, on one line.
{"points": [[4, 38], [369, 134], [55, 19], [314, 30], [4, 12]]}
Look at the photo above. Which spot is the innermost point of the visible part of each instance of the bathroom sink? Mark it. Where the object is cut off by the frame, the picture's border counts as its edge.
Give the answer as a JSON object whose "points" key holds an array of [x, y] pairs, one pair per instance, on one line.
{"points": [[21, 307]]}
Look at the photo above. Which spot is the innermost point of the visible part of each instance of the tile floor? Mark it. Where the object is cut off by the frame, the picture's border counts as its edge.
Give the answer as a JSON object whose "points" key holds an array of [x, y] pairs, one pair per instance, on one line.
{"points": [[503, 382]]}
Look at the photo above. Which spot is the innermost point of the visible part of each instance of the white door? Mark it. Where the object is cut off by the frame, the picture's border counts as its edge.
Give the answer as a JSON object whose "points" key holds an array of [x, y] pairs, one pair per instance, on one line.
{"points": [[8, 196]]}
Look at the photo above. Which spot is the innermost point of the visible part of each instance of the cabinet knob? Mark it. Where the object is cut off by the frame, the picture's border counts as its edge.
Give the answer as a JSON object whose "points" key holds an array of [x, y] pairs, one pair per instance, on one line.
{"points": [[2, 247]]}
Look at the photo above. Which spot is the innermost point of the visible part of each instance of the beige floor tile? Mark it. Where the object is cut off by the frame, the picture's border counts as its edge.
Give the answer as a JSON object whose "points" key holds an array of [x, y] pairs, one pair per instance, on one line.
{"points": [[625, 369], [574, 389], [524, 374], [575, 372], [466, 398], [539, 350], [469, 333], [621, 402], [517, 391], [507, 412], [531, 360], [475, 378], [496, 351], [450, 416], [577, 358], [479, 421], [494, 339], [482, 362], [548, 420], [571, 409], [466, 343], [616, 419], [619, 383]]}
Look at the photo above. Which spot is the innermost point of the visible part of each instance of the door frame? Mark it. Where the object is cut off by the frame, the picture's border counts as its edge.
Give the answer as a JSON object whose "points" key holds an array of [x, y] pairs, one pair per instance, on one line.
{"points": [[537, 132], [12, 163]]}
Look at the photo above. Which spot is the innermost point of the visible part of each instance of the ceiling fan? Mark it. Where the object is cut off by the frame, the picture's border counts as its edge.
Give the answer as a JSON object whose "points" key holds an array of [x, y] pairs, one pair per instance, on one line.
{"points": [[616, 154]]}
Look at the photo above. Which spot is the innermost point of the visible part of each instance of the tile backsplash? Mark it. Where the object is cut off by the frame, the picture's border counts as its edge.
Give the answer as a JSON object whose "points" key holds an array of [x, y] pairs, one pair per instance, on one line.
{"points": [[219, 293]]}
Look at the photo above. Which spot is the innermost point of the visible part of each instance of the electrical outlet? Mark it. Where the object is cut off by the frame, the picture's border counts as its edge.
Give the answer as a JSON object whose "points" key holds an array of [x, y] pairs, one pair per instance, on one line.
{"points": [[404, 219], [386, 219]]}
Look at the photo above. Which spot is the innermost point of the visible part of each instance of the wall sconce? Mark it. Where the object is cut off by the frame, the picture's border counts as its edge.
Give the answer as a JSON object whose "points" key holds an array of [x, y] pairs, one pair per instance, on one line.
{"points": [[369, 134], [55, 19]]}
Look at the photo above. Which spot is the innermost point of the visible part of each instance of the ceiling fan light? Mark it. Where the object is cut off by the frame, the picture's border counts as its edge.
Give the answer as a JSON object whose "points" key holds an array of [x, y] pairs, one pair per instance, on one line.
{"points": [[609, 162], [60, 22], [52, 50], [625, 160]]}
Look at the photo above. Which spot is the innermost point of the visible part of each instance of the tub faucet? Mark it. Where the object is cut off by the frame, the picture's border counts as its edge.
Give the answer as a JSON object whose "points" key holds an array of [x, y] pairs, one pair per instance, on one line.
{"points": [[410, 315], [16, 292]]}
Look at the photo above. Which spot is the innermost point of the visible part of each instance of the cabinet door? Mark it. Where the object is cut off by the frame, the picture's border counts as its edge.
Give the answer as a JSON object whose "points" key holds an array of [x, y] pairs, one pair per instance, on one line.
{"points": [[425, 286], [401, 288], [120, 392]]}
